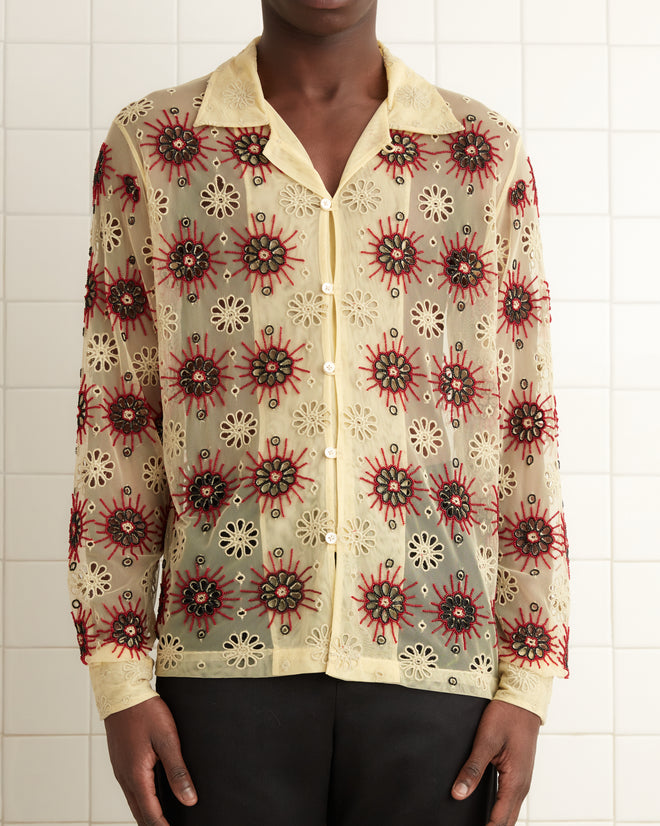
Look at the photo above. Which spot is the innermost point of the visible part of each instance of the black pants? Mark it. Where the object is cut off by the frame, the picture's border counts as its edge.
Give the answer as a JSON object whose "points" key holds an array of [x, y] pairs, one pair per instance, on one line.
{"points": [[312, 750]]}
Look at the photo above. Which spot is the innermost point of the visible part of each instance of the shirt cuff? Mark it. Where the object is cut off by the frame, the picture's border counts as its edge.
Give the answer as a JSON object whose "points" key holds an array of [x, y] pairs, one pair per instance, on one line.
{"points": [[524, 689], [119, 685]]}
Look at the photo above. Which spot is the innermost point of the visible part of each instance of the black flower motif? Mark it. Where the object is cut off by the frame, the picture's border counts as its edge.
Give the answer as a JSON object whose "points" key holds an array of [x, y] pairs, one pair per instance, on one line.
{"points": [[518, 193], [464, 268], [248, 148], [91, 291], [201, 597], [397, 254], [75, 531], [131, 188], [127, 630], [530, 641], [394, 486], [264, 254], [275, 476], [82, 639], [471, 151], [281, 591], [128, 414], [177, 144], [127, 527], [457, 612], [83, 411], [207, 491], [98, 187], [188, 260], [199, 376], [127, 299], [392, 371], [457, 385], [517, 304], [385, 602], [527, 422], [401, 150], [454, 500], [272, 366], [533, 536]]}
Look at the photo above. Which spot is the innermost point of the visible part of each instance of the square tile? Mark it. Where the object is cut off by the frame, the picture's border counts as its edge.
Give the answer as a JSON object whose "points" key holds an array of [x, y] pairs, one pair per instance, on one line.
{"points": [[627, 235], [56, 363], [57, 705], [635, 594], [393, 26], [55, 269], [635, 431], [635, 498], [35, 186], [633, 71], [46, 584], [24, 533], [581, 767], [635, 346], [583, 703], [637, 760], [634, 21], [42, 429], [51, 765], [122, 73], [574, 78], [68, 71], [580, 332], [493, 79], [108, 801], [558, 158], [565, 21], [577, 263], [590, 617], [633, 194], [487, 22], [203, 20], [199, 59], [66, 21], [586, 495], [636, 678], [584, 430], [124, 21]]}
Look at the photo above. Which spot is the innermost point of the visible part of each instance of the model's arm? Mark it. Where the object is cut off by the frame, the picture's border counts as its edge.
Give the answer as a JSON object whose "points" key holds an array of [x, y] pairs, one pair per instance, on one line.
{"points": [[531, 604], [121, 498]]}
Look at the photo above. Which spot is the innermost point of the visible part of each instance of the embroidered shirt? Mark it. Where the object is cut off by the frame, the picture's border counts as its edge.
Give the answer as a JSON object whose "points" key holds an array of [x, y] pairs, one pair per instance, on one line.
{"points": [[329, 419]]}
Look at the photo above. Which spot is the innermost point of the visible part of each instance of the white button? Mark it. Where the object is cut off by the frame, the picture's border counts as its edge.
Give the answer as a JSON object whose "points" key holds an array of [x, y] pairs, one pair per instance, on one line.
{"points": [[329, 367], [331, 538], [327, 287], [331, 452], [326, 204]]}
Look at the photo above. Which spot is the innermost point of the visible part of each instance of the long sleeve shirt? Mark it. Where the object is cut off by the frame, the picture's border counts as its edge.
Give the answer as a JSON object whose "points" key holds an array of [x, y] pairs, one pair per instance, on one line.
{"points": [[317, 433]]}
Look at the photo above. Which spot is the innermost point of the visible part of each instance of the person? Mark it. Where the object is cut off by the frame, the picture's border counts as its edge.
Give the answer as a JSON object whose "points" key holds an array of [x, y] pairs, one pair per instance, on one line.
{"points": [[316, 414]]}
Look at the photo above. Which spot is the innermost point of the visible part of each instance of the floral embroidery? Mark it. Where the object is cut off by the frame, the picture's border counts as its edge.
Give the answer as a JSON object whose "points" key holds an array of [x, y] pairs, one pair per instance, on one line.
{"points": [[239, 538], [219, 198], [436, 204]]}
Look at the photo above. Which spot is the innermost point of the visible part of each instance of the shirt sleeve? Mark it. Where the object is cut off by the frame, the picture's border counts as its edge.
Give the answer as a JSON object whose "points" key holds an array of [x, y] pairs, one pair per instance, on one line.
{"points": [[120, 497], [532, 597]]}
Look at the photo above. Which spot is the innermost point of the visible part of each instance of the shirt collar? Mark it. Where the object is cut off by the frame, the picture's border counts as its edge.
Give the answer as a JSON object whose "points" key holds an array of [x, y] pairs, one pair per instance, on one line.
{"points": [[234, 97]]}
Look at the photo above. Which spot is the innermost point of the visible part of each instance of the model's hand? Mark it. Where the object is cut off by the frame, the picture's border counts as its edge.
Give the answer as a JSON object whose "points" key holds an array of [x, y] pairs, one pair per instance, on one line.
{"points": [[137, 738], [506, 737]]}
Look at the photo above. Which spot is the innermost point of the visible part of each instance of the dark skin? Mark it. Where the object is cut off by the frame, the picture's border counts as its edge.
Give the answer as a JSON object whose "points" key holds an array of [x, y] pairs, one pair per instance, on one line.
{"points": [[326, 88]]}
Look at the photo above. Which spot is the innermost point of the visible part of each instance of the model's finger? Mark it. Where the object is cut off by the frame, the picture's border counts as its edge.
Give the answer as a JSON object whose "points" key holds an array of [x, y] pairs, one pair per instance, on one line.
{"points": [[168, 749], [469, 776]]}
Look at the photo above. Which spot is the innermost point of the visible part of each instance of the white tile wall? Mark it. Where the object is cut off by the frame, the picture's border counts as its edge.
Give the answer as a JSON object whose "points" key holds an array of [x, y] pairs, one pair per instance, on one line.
{"points": [[579, 78]]}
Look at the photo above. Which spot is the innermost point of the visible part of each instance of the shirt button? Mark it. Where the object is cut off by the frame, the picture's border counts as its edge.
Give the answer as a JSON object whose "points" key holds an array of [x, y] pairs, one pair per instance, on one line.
{"points": [[331, 538], [329, 367], [326, 204], [327, 287], [331, 452]]}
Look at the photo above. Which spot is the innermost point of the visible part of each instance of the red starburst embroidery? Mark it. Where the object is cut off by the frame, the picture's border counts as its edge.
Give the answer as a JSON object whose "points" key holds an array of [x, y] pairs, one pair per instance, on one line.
{"points": [[532, 181], [102, 172], [78, 525], [85, 415], [128, 415], [94, 291], [528, 640], [472, 153], [392, 371], [206, 491], [404, 154], [281, 591], [458, 612], [529, 422], [126, 300], [453, 496], [458, 385], [275, 477], [127, 527], [519, 305], [129, 191], [245, 148], [198, 378], [188, 262], [264, 254], [465, 269], [176, 147], [395, 254], [272, 367], [385, 602], [127, 629], [533, 536], [202, 597], [85, 633], [393, 487]]}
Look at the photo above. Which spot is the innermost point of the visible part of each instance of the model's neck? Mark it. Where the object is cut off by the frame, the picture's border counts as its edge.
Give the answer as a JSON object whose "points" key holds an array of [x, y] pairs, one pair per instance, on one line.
{"points": [[320, 69]]}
